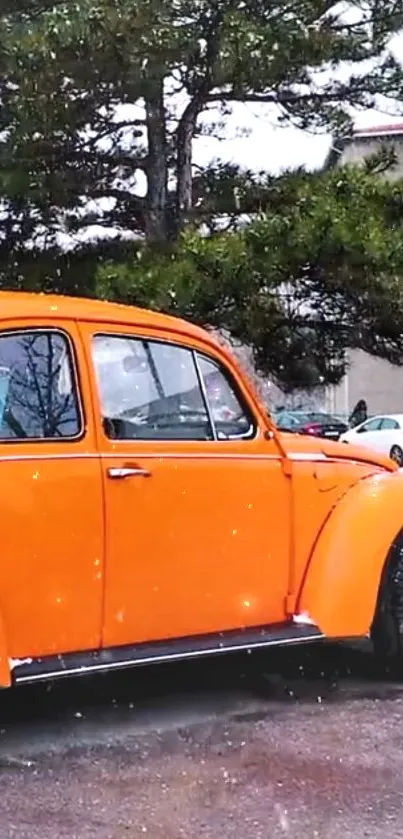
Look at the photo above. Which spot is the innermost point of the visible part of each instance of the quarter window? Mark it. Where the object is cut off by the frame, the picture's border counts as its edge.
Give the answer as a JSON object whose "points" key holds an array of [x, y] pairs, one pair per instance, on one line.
{"points": [[228, 414], [149, 390], [38, 397]]}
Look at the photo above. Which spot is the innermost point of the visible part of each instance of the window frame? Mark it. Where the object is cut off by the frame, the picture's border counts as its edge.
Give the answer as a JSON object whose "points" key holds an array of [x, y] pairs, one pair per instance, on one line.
{"points": [[75, 378], [194, 352]]}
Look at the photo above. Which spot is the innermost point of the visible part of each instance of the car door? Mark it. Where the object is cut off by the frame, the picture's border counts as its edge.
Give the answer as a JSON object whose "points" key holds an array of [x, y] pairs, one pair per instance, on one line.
{"points": [[197, 505], [368, 433], [387, 436], [51, 570]]}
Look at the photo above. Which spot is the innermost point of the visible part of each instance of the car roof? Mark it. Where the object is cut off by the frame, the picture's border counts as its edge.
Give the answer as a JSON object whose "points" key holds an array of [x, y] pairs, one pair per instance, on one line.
{"points": [[17, 304], [398, 417]]}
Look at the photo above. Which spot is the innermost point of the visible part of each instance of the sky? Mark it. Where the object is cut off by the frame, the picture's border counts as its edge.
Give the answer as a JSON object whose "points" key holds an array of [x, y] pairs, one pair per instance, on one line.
{"points": [[265, 144], [255, 140], [273, 148]]}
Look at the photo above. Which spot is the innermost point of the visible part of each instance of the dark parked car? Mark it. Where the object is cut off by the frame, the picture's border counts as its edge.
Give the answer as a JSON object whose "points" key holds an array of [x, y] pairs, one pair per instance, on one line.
{"points": [[315, 423]]}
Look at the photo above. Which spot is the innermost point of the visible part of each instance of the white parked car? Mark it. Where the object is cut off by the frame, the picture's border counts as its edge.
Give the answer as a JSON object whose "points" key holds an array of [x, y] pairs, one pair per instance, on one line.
{"points": [[384, 433]]}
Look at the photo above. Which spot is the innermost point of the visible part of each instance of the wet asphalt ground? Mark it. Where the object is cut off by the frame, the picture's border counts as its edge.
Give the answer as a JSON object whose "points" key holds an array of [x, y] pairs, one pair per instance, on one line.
{"points": [[307, 743]]}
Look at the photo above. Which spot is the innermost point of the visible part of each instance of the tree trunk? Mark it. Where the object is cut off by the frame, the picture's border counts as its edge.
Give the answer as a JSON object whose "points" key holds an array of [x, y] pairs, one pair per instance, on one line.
{"points": [[186, 130], [157, 166]]}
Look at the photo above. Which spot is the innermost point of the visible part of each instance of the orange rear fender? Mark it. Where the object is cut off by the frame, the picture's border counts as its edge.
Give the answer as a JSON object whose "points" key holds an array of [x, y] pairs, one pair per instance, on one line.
{"points": [[341, 583]]}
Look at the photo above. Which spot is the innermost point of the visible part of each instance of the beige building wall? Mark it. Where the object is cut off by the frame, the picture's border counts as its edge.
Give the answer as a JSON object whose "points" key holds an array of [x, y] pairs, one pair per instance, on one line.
{"points": [[369, 378], [358, 148]]}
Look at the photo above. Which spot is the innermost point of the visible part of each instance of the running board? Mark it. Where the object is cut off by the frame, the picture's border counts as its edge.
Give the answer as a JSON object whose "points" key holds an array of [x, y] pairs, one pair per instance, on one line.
{"points": [[119, 658]]}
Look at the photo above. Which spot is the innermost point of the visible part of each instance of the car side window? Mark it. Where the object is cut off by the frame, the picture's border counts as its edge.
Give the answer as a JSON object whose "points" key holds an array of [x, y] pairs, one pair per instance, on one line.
{"points": [[371, 425], [38, 392], [389, 424], [149, 390], [229, 415]]}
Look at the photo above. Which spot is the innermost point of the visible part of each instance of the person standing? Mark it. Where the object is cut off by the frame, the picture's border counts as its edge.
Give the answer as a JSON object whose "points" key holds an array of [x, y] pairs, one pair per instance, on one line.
{"points": [[359, 414]]}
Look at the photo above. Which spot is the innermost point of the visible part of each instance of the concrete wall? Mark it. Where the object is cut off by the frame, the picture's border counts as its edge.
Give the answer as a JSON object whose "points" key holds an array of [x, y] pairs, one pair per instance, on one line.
{"points": [[358, 148], [369, 378], [372, 379]]}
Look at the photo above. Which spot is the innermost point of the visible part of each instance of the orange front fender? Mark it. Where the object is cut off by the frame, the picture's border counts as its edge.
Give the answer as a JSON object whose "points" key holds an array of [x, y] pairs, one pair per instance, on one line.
{"points": [[340, 586]]}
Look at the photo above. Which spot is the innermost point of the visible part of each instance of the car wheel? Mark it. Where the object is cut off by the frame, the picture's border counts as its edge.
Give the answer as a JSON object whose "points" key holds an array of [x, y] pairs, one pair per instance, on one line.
{"points": [[387, 626], [396, 454]]}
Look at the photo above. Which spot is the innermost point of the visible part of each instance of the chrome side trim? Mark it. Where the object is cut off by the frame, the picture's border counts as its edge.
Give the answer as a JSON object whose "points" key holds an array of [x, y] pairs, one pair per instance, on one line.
{"points": [[308, 456], [159, 658], [295, 457], [44, 457], [127, 455], [208, 455]]}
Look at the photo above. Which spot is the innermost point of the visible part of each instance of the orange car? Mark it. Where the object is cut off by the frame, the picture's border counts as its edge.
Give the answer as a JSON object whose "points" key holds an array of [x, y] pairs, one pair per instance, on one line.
{"points": [[151, 511]]}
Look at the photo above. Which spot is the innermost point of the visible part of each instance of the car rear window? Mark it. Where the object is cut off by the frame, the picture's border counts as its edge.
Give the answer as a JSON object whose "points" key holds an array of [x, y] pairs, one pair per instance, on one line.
{"points": [[38, 392]]}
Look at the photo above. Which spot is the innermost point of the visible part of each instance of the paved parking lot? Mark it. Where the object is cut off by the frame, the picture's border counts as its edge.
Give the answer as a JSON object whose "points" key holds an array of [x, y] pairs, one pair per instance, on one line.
{"points": [[307, 745]]}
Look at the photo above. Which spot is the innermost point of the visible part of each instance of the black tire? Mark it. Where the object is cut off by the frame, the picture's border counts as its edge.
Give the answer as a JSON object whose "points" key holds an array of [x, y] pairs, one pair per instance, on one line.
{"points": [[396, 454], [387, 626]]}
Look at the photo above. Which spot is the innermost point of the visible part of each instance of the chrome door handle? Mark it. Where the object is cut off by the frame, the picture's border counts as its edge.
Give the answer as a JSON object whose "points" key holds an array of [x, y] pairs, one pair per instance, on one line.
{"points": [[117, 473]]}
